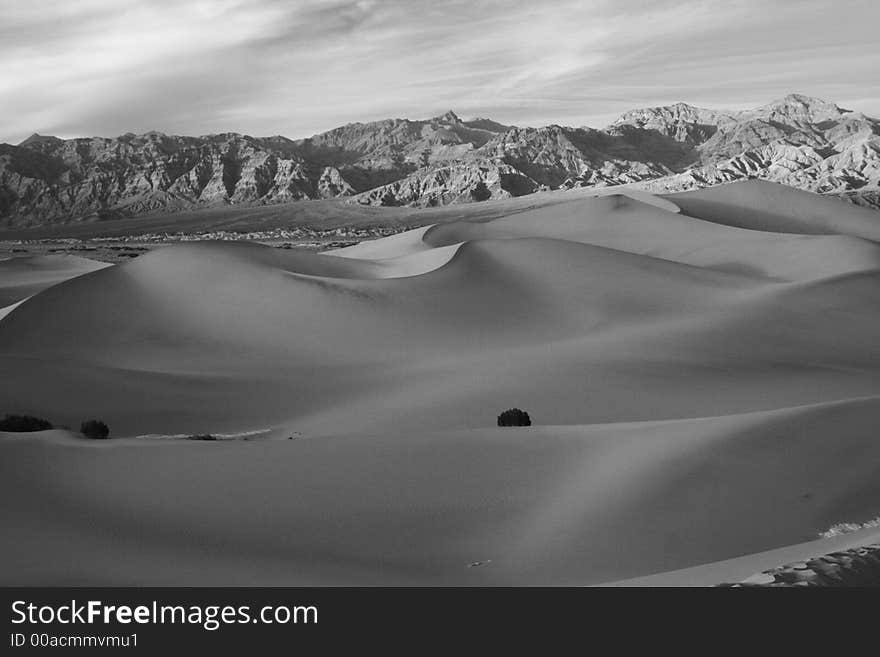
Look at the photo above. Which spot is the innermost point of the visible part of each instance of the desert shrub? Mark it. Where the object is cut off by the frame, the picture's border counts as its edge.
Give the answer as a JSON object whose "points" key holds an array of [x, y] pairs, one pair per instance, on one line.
{"points": [[202, 436], [94, 429], [24, 423], [514, 417]]}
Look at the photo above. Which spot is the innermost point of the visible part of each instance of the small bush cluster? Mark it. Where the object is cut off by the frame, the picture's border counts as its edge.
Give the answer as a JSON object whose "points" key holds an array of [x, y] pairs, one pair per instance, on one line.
{"points": [[514, 417], [94, 429], [24, 423]]}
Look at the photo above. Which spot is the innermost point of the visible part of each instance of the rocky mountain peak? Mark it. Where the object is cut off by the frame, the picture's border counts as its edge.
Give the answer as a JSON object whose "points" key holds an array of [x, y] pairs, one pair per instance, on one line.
{"points": [[803, 100], [482, 123], [449, 117], [802, 107], [37, 138], [675, 112]]}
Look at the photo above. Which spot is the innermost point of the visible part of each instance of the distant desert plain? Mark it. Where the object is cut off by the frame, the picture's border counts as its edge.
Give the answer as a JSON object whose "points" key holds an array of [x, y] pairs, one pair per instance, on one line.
{"points": [[702, 372]]}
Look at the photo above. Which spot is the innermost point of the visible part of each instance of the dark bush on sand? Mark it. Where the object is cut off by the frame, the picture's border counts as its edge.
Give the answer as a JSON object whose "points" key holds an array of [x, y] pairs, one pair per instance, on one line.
{"points": [[24, 423], [94, 429], [514, 417], [202, 436]]}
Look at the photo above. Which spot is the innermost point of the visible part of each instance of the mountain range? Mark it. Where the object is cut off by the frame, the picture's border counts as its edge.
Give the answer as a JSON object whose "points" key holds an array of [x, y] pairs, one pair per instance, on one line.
{"points": [[799, 141]]}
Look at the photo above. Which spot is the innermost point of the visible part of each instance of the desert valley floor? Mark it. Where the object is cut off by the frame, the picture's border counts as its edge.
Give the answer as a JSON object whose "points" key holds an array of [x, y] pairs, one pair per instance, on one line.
{"points": [[702, 370]]}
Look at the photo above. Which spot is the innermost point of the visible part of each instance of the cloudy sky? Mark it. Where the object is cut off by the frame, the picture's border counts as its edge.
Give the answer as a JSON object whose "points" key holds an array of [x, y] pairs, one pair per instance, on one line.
{"points": [[297, 67]]}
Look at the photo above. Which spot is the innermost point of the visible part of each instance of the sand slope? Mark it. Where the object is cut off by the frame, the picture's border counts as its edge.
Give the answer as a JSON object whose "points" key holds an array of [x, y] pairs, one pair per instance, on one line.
{"points": [[767, 206], [27, 275], [622, 222], [545, 505], [704, 388], [231, 337]]}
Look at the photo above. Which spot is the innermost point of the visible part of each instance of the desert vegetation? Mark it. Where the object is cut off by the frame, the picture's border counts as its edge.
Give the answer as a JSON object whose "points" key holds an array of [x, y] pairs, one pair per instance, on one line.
{"points": [[27, 423], [514, 417], [24, 423], [94, 429]]}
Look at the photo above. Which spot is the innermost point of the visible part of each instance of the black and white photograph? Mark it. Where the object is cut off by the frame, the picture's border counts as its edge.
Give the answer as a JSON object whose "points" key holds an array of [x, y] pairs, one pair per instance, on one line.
{"points": [[439, 293]]}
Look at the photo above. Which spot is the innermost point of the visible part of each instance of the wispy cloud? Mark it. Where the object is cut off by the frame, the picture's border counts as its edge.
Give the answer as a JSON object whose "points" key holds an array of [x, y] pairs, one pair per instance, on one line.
{"points": [[299, 67]]}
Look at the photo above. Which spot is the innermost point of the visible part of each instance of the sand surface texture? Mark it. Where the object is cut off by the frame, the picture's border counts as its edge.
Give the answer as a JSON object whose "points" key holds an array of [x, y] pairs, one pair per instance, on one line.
{"points": [[702, 370]]}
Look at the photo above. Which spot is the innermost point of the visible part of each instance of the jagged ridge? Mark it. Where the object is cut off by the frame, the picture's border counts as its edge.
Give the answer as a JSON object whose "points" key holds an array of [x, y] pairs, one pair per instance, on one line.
{"points": [[799, 141]]}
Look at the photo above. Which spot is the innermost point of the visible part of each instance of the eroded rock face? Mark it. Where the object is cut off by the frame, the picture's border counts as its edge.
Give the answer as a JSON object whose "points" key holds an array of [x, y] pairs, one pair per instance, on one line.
{"points": [[680, 122], [456, 183], [823, 169], [798, 141], [865, 198], [332, 184], [48, 180]]}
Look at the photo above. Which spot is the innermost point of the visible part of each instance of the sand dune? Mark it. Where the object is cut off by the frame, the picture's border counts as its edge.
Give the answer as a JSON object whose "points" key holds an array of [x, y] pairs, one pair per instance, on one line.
{"points": [[8, 309], [27, 275], [217, 337], [624, 223], [762, 205], [704, 384], [639, 223], [544, 505]]}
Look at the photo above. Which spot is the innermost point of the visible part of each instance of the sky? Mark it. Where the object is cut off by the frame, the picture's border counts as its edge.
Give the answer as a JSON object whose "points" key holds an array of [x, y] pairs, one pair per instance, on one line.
{"points": [[299, 67]]}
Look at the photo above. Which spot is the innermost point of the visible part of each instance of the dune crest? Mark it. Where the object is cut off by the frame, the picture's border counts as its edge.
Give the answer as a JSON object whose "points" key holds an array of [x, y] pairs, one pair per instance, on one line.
{"points": [[21, 277], [766, 206]]}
